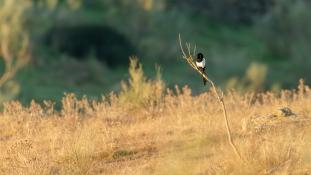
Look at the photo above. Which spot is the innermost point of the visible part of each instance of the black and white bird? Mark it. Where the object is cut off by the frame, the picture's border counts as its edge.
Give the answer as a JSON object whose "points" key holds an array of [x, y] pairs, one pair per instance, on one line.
{"points": [[200, 63]]}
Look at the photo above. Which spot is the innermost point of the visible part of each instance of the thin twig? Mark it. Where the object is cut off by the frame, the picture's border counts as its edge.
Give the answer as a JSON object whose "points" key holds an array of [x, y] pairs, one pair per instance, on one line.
{"points": [[220, 97]]}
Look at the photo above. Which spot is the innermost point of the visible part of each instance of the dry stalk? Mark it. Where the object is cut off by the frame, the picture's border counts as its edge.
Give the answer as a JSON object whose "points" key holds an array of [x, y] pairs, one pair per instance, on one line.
{"points": [[13, 52], [13, 63], [219, 94]]}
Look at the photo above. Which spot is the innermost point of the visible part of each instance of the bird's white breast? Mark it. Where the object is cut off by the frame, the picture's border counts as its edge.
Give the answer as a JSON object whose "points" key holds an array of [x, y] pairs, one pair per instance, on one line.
{"points": [[201, 64]]}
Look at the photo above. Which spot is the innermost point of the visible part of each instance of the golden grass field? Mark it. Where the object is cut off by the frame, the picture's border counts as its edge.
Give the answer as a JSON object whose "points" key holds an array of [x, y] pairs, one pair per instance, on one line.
{"points": [[146, 129]]}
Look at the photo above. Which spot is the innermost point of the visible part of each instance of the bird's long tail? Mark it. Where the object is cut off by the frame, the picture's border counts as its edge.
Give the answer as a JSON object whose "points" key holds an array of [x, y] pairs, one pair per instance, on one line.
{"points": [[203, 70], [204, 81]]}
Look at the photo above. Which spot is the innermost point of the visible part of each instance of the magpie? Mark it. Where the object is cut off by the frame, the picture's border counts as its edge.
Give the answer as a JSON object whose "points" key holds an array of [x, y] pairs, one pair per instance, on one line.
{"points": [[200, 62]]}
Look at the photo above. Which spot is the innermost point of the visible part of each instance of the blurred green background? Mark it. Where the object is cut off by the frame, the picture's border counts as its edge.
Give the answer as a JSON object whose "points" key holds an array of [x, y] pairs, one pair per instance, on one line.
{"points": [[83, 46]]}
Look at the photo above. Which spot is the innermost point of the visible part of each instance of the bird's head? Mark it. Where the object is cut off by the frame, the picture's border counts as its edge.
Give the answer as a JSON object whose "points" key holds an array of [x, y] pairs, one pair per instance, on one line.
{"points": [[200, 57]]}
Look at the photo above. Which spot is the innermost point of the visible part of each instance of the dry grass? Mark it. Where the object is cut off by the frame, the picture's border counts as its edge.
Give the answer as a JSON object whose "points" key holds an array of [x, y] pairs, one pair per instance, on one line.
{"points": [[167, 133]]}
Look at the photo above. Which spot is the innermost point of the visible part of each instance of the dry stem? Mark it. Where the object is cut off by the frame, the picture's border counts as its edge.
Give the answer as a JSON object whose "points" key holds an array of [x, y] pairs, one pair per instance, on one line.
{"points": [[14, 60], [219, 94]]}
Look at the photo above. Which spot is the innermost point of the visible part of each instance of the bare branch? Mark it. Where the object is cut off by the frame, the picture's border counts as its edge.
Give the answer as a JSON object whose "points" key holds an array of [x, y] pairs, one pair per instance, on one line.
{"points": [[194, 50], [14, 43], [220, 97], [181, 47], [188, 48]]}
